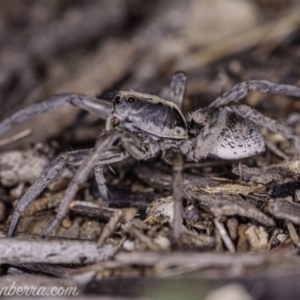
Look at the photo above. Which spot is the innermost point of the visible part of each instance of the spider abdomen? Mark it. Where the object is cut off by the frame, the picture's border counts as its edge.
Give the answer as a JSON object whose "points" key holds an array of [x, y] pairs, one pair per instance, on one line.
{"points": [[217, 133], [239, 138]]}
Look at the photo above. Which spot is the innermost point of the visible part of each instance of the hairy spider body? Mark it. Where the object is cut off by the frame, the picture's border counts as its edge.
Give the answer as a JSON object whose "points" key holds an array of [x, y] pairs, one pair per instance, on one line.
{"points": [[160, 125], [152, 124], [236, 138], [143, 126]]}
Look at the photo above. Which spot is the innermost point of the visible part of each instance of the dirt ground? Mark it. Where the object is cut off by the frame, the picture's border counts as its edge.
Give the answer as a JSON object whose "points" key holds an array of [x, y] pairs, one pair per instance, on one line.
{"points": [[241, 218]]}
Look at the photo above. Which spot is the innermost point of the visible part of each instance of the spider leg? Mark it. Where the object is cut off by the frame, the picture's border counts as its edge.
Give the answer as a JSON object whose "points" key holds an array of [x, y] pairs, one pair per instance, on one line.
{"points": [[113, 155], [103, 144], [177, 187], [178, 86], [240, 90], [176, 95], [201, 146], [136, 147], [133, 146], [98, 107], [50, 172], [264, 121], [208, 137], [175, 91], [101, 183]]}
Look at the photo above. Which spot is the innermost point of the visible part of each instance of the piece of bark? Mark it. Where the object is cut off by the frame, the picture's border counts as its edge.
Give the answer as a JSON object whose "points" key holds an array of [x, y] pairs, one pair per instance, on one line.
{"points": [[283, 209], [227, 205]]}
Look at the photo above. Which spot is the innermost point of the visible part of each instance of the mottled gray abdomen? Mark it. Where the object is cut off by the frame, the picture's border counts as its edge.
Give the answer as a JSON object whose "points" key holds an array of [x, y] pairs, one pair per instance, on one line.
{"points": [[215, 132], [239, 138]]}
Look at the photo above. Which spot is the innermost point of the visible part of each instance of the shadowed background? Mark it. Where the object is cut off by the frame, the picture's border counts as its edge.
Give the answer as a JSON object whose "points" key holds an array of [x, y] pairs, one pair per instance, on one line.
{"points": [[89, 47]]}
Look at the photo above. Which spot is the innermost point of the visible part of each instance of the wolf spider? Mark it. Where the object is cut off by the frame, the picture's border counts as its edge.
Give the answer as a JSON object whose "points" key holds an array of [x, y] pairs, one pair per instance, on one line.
{"points": [[143, 126]]}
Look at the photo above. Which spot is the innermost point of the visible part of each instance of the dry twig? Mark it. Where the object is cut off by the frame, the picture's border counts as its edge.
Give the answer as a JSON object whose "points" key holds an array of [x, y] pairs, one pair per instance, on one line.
{"points": [[14, 251]]}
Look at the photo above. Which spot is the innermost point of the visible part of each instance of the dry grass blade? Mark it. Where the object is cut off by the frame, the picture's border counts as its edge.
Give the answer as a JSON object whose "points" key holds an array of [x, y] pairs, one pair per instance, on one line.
{"points": [[293, 234], [17, 137], [110, 226], [224, 235]]}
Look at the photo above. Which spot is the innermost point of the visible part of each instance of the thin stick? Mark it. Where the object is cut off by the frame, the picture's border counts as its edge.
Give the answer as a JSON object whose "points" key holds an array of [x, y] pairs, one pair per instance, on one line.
{"points": [[240, 170], [15, 251], [110, 226], [224, 235], [17, 137], [177, 197]]}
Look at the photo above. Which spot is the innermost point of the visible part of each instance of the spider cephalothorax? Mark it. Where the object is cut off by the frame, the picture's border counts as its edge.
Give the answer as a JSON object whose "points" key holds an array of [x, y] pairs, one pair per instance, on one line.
{"points": [[138, 112]]}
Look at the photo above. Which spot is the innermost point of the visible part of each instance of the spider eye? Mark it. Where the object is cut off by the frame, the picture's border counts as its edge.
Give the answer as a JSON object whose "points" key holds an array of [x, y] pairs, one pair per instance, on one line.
{"points": [[131, 99], [118, 100]]}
